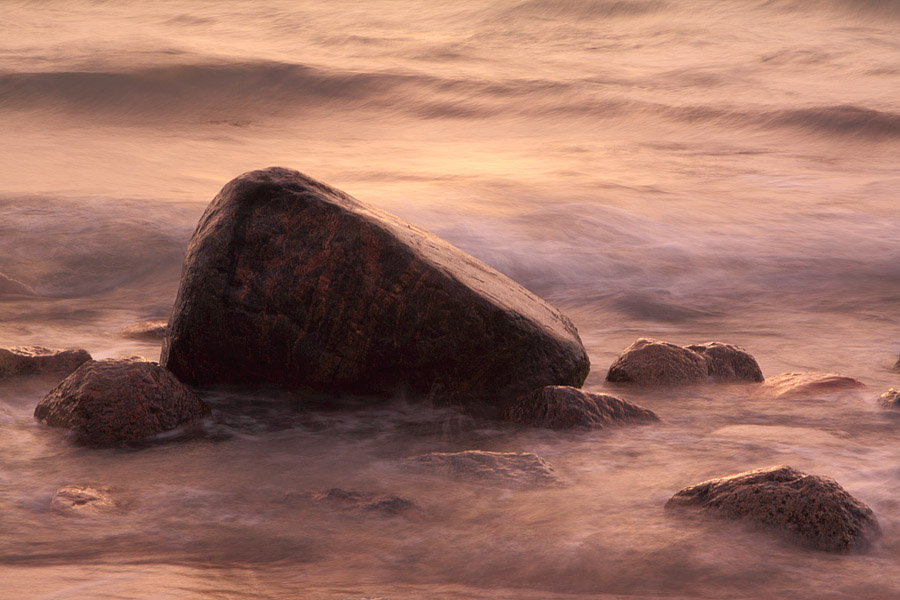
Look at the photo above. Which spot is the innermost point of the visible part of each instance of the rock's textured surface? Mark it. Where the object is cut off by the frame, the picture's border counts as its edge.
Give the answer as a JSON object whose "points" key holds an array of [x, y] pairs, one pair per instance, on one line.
{"points": [[800, 385], [726, 362], [564, 407], [37, 360], [362, 501], [289, 281], [83, 500], [110, 402], [10, 286], [814, 510], [513, 469], [146, 330], [890, 399]]}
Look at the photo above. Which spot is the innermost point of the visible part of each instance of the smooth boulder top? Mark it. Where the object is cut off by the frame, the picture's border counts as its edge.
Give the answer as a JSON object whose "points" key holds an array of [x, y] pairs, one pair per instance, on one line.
{"points": [[563, 407], [800, 385], [289, 281], [509, 469], [654, 362], [890, 399], [146, 330], [116, 401], [37, 360], [814, 510]]}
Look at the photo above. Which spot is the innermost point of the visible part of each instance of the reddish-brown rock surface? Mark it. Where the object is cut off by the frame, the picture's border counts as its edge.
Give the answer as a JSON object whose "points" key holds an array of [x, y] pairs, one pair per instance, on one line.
{"points": [[111, 402], [564, 407], [890, 399], [289, 281], [727, 362], [37, 360], [653, 362], [146, 330], [799, 385], [814, 510]]}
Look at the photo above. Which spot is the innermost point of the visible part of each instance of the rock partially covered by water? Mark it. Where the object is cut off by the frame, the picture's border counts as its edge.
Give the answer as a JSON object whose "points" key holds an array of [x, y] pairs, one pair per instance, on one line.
{"points": [[10, 286], [37, 360], [512, 469], [112, 402], [814, 510], [654, 362], [83, 500], [146, 330], [897, 365], [361, 501], [800, 385], [890, 399], [289, 281], [564, 407]]}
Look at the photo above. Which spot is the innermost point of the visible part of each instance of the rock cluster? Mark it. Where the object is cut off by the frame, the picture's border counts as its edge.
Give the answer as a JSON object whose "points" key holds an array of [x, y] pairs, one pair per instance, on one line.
{"points": [[814, 510], [112, 402], [563, 407], [654, 362], [291, 282], [37, 360], [512, 469]]}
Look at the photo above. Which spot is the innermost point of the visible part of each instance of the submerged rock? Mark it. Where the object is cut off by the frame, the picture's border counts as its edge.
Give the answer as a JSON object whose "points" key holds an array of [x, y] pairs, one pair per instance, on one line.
{"points": [[10, 286], [514, 469], [37, 360], [814, 510], [362, 501], [890, 399], [111, 402], [653, 362], [799, 385], [563, 407], [146, 330], [83, 500], [289, 281], [897, 365]]}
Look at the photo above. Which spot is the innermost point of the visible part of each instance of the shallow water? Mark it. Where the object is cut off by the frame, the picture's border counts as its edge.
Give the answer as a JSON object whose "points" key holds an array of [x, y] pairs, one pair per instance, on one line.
{"points": [[687, 170]]}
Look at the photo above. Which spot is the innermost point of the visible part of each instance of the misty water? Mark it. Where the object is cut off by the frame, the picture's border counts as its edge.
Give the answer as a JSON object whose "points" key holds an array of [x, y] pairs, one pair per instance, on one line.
{"points": [[688, 170]]}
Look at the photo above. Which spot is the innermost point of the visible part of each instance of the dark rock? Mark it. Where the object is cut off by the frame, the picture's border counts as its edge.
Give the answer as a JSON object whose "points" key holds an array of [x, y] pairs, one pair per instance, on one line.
{"points": [[10, 286], [289, 281], [563, 407], [111, 402], [146, 330], [653, 362], [726, 362], [37, 360], [362, 501], [84, 500], [890, 399], [814, 510], [799, 385], [897, 365], [513, 469]]}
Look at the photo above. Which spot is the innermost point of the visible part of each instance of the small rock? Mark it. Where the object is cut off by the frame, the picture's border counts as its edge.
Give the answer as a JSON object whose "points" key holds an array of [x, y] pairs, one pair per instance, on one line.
{"points": [[363, 501], [726, 362], [514, 469], [890, 399], [37, 360], [814, 510], [146, 330], [112, 402], [799, 385], [83, 500], [10, 286], [564, 407]]}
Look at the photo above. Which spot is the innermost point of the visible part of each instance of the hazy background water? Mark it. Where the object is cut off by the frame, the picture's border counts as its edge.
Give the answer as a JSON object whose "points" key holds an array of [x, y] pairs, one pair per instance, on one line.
{"points": [[688, 170]]}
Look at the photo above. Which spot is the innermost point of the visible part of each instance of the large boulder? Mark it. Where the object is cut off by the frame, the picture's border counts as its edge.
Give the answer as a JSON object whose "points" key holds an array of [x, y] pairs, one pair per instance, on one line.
{"points": [[654, 362], [564, 407], [813, 510], [37, 360], [292, 282], [112, 402], [808, 384], [508, 469]]}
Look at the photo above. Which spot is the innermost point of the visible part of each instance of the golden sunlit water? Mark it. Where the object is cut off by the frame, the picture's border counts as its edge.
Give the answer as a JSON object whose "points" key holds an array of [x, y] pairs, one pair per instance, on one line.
{"points": [[689, 170]]}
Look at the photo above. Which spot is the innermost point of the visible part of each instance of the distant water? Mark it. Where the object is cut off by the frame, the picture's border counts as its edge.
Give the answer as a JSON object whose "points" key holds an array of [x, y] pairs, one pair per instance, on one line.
{"points": [[684, 169]]}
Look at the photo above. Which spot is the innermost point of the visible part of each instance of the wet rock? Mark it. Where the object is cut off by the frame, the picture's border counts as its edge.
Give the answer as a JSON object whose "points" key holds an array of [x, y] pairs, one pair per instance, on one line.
{"points": [[563, 407], [799, 385], [726, 362], [897, 365], [83, 500], [890, 399], [512, 469], [10, 286], [146, 330], [814, 510], [360, 501], [289, 281], [112, 402], [37, 360]]}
